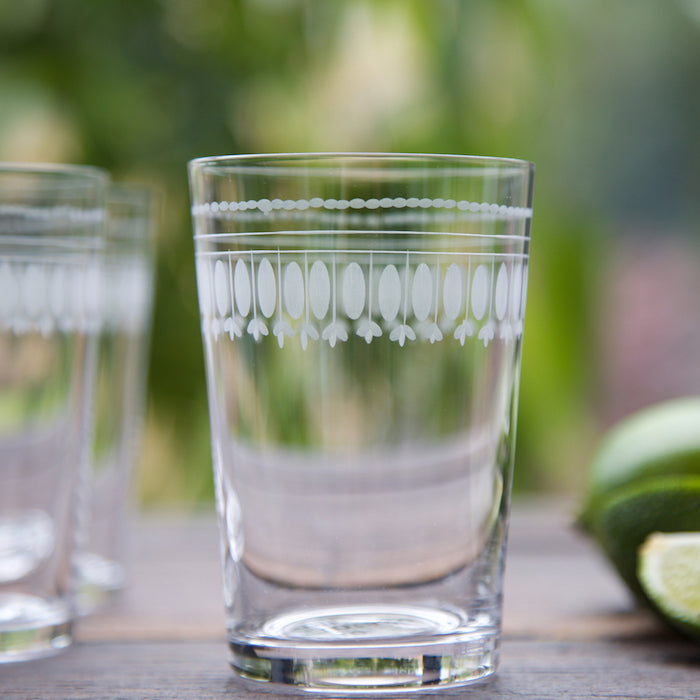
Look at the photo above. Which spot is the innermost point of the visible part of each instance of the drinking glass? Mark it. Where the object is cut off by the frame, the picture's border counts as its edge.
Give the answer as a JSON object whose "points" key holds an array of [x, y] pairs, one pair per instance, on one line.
{"points": [[125, 314], [51, 238], [362, 320]]}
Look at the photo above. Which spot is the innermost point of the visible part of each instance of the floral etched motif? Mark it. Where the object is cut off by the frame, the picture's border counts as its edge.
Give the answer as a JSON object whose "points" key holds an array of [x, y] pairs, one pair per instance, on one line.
{"points": [[472, 289], [49, 296], [317, 295], [256, 326], [281, 328], [367, 328]]}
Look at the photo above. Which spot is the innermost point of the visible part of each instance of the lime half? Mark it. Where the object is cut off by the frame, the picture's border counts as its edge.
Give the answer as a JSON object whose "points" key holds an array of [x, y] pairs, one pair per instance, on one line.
{"points": [[662, 504], [662, 440], [669, 572]]}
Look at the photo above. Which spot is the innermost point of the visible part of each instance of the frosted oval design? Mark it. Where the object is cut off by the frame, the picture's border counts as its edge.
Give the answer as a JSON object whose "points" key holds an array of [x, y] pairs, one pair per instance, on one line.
{"points": [[501, 295], [241, 288], [33, 290], [353, 291], [222, 293], [267, 289], [516, 290], [294, 290], [92, 290], [422, 292], [314, 294], [319, 289], [136, 285], [203, 286], [57, 291], [389, 293], [9, 293], [480, 292], [452, 292], [76, 292]]}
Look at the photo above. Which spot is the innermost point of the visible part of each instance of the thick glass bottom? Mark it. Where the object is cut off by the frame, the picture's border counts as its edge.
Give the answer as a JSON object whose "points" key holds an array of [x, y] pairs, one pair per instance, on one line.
{"points": [[355, 650], [31, 627], [100, 582]]}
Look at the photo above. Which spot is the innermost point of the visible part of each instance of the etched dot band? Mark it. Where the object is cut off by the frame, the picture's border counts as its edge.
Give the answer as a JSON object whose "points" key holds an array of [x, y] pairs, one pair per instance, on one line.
{"points": [[267, 206], [24, 216]]}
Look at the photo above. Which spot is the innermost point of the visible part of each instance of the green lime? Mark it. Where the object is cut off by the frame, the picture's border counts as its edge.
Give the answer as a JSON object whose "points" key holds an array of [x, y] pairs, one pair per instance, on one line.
{"points": [[669, 572], [661, 440], [656, 504], [645, 478]]}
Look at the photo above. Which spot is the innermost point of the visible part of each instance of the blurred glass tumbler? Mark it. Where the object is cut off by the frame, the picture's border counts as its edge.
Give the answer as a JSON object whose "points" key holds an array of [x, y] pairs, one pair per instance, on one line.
{"points": [[125, 314], [362, 318], [51, 235]]}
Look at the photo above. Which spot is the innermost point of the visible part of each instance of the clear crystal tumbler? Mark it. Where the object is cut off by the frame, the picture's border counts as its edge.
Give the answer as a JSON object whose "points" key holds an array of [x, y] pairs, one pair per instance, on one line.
{"points": [[125, 314], [362, 320], [51, 243]]}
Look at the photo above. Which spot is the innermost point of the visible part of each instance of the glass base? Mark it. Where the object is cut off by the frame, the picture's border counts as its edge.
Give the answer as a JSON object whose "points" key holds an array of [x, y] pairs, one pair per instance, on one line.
{"points": [[358, 650], [31, 627], [100, 582]]}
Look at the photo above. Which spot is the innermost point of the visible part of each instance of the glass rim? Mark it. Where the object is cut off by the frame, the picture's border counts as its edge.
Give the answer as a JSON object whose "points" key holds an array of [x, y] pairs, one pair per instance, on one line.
{"points": [[47, 201], [88, 172], [291, 161], [130, 199]]}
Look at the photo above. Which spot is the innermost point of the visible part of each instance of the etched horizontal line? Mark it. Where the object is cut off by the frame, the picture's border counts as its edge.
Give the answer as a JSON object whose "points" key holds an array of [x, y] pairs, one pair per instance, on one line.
{"points": [[356, 251], [355, 233]]}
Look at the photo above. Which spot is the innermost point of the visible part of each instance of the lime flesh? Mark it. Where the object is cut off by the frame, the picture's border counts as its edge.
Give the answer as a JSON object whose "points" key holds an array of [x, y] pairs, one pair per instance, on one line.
{"points": [[669, 573], [645, 478], [661, 504]]}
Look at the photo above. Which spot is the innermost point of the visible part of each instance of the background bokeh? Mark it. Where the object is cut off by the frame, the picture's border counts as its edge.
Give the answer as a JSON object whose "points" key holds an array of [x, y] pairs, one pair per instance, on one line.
{"points": [[603, 96]]}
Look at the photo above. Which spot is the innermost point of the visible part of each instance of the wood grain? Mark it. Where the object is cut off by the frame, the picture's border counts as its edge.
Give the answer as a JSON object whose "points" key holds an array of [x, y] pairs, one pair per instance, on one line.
{"points": [[656, 667], [570, 629]]}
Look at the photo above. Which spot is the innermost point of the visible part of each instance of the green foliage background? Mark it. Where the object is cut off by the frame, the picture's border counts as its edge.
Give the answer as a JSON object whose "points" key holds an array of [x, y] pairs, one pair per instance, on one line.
{"points": [[602, 96]]}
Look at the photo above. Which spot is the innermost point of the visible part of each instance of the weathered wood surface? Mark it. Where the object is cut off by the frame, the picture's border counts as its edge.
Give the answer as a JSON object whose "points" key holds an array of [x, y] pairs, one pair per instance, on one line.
{"points": [[570, 630]]}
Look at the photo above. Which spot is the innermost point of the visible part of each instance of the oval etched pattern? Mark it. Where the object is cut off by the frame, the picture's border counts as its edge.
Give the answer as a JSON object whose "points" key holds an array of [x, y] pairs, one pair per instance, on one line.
{"points": [[422, 292], [294, 290], [57, 291], [267, 289], [452, 291], [9, 292], [241, 288], [516, 288], [501, 295], [203, 286], [34, 290], [92, 290], [76, 293], [480, 292], [319, 289], [389, 293], [135, 283], [353, 291], [222, 293]]}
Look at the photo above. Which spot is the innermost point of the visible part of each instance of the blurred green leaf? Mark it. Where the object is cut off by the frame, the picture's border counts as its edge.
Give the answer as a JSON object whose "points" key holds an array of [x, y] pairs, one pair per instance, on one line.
{"points": [[608, 109]]}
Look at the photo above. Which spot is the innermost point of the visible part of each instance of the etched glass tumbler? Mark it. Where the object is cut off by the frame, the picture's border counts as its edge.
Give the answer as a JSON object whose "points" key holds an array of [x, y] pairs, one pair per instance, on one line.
{"points": [[51, 240], [362, 320], [125, 314]]}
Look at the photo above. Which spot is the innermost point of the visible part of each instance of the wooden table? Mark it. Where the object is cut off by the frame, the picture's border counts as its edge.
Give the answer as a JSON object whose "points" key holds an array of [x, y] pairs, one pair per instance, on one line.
{"points": [[570, 630]]}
